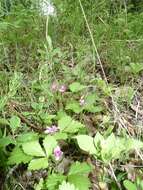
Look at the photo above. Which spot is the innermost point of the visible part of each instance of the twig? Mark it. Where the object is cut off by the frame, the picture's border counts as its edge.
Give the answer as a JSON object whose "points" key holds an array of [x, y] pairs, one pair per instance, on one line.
{"points": [[24, 120], [113, 175]]}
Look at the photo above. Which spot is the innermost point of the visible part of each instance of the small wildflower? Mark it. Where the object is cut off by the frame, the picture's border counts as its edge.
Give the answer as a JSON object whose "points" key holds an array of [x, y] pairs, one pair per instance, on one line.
{"points": [[54, 87], [51, 130], [62, 88], [47, 8], [82, 101], [58, 153]]}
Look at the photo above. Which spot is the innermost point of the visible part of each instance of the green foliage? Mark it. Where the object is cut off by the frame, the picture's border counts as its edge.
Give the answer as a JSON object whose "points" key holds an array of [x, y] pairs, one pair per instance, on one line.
{"points": [[38, 163], [129, 185], [108, 149], [14, 123], [79, 169], [18, 156], [36, 52], [67, 186], [78, 175], [33, 152], [68, 125], [54, 180], [39, 186], [76, 86], [79, 181], [33, 148]]}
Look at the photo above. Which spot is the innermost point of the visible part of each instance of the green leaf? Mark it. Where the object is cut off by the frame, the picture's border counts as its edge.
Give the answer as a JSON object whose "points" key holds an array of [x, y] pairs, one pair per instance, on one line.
{"points": [[136, 67], [80, 182], [37, 164], [46, 118], [75, 107], [97, 142], [61, 136], [49, 144], [93, 109], [53, 181], [111, 148], [80, 168], [33, 148], [18, 156], [14, 123], [67, 186], [76, 87], [86, 143], [4, 141], [4, 121], [30, 136], [68, 125], [40, 185], [129, 185]]}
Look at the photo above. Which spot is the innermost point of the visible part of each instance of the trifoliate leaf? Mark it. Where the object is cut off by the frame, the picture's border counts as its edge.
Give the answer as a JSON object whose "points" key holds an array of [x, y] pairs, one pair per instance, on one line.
{"points": [[14, 123], [18, 156], [67, 124], [37, 164], [86, 143], [67, 186], [49, 144], [76, 87], [80, 182], [53, 181], [33, 148], [80, 168]]}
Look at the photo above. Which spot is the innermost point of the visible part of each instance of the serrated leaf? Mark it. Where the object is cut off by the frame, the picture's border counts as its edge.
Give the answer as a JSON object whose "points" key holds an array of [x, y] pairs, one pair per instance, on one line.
{"points": [[53, 181], [80, 168], [18, 156], [68, 125], [76, 87], [14, 123], [67, 186], [37, 164], [129, 185], [86, 143], [33, 148], [49, 144], [80, 182]]}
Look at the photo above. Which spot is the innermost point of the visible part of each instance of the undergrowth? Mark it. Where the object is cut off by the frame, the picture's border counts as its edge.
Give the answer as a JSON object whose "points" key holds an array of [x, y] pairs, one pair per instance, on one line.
{"points": [[71, 108]]}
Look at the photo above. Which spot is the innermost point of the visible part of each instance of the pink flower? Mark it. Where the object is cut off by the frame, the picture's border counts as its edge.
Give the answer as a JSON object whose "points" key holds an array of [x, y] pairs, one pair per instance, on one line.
{"points": [[51, 130], [54, 87], [62, 88], [58, 153], [82, 101]]}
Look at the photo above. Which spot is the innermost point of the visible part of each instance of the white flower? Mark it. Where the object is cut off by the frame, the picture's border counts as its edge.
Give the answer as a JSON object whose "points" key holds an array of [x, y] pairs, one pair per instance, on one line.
{"points": [[47, 8]]}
